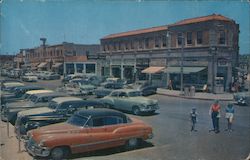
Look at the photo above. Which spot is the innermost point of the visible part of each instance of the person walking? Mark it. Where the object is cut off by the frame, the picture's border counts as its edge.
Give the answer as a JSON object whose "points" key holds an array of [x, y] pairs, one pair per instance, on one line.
{"points": [[193, 118], [229, 116], [214, 112]]}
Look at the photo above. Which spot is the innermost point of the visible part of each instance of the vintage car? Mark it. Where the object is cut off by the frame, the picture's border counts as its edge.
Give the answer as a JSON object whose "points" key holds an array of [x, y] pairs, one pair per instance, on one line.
{"points": [[71, 89], [17, 93], [29, 77], [49, 76], [87, 130], [59, 110], [107, 89], [35, 101], [69, 77], [146, 88], [10, 86], [130, 100]]}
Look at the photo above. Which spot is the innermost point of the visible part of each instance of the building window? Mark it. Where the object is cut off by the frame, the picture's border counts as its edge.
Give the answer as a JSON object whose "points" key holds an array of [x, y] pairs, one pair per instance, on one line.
{"points": [[114, 44], [164, 41], [157, 42], [87, 53], [90, 68], [147, 42], [199, 37], [222, 37], [119, 46], [132, 45], [126, 46], [140, 44], [179, 39], [189, 38]]}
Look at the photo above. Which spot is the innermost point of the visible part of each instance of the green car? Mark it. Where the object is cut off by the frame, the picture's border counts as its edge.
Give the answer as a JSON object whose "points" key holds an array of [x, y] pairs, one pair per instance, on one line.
{"points": [[130, 100]]}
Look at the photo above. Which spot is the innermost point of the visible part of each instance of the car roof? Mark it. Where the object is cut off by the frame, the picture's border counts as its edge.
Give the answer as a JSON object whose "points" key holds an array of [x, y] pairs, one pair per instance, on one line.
{"points": [[65, 99], [29, 87], [10, 84], [125, 90], [50, 94], [39, 91], [99, 112]]}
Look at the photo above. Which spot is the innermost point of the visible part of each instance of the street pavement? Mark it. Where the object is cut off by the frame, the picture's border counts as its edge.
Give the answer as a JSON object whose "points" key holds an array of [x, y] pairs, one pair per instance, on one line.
{"points": [[173, 139]]}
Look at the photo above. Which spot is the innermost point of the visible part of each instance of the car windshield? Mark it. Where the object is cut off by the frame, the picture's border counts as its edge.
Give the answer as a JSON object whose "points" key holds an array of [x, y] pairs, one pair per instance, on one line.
{"points": [[77, 120], [53, 105], [134, 94]]}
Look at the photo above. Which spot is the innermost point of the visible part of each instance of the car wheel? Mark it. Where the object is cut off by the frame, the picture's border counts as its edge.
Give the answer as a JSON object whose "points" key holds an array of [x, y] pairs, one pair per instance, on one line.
{"points": [[132, 143], [59, 153], [136, 110]]}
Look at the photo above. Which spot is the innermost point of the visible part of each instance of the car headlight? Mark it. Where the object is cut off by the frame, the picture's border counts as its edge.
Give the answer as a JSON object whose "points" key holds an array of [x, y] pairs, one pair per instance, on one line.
{"points": [[42, 143]]}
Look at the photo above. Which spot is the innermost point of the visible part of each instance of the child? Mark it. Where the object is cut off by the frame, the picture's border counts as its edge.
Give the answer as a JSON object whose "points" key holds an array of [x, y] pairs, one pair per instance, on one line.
{"points": [[229, 116], [193, 118]]}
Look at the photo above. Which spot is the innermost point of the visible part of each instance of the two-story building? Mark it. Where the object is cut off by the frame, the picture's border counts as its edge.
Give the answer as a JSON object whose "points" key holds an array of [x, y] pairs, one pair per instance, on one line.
{"points": [[65, 58], [204, 50]]}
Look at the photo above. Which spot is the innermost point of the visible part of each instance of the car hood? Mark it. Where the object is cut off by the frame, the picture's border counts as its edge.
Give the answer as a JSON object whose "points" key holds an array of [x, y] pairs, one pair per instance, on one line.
{"points": [[20, 104], [53, 130], [36, 111]]}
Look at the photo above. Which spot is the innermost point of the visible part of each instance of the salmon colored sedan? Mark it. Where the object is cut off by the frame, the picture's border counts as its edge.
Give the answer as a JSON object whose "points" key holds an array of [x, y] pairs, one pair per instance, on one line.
{"points": [[87, 130]]}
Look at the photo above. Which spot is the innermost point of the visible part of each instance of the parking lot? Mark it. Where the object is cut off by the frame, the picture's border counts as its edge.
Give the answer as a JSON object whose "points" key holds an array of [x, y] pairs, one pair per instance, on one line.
{"points": [[172, 137]]}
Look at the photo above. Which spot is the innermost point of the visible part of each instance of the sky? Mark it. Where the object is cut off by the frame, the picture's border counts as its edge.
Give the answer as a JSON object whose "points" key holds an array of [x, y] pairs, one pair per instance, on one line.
{"points": [[24, 22]]}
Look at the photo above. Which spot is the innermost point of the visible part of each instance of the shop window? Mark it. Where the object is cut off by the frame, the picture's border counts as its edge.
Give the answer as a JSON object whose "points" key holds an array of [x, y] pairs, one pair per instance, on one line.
{"points": [[132, 45], [126, 46], [189, 38], [119, 46], [90, 68], [79, 68], [199, 37], [222, 37]]}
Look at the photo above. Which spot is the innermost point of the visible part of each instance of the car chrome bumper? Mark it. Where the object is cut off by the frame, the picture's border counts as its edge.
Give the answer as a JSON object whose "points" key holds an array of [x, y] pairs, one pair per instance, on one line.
{"points": [[36, 150]]}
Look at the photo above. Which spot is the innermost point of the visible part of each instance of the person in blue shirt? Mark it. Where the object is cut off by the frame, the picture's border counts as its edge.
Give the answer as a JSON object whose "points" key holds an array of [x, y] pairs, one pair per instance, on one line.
{"points": [[193, 118], [229, 116]]}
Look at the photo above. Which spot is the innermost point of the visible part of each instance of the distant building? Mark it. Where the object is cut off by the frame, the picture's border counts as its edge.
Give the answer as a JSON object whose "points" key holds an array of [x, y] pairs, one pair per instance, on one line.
{"points": [[64, 58], [6, 61], [209, 53]]}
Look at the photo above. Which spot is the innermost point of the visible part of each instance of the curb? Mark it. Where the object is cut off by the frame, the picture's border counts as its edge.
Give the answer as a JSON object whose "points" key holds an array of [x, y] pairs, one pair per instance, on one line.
{"points": [[185, 97]]}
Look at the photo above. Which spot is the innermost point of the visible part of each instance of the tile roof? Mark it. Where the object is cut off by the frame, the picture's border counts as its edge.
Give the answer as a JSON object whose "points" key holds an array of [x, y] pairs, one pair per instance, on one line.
{"points": [[202, 19], [136, 32], [165, 27]]}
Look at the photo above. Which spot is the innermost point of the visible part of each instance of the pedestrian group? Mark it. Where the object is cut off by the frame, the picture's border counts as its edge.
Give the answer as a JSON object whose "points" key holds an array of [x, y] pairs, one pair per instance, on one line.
{"points": [[215, 113]]}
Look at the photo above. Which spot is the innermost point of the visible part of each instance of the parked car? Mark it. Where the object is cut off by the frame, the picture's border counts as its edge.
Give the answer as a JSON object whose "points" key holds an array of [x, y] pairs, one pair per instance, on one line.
{"points": [[29, 77], [145, 88], [87, 130], [18, 93], [71, 89], [9, 87], [49, 76], [35, 101], [242, 98], [130, 100], [69, 77], [107, 89], [59, 110]]}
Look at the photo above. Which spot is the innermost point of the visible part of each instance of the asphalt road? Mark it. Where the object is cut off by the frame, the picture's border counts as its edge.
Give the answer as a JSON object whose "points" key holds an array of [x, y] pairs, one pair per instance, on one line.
{"points": [[173, 139]]}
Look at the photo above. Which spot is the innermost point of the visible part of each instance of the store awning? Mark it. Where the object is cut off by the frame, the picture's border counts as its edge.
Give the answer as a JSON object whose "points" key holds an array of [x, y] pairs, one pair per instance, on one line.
{"points": [[152, 70], [56, 65], [42, 65], [186, 70]]}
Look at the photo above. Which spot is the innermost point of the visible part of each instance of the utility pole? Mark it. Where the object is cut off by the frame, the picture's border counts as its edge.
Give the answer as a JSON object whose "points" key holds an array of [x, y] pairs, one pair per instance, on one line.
{"points": [[182, 55]]}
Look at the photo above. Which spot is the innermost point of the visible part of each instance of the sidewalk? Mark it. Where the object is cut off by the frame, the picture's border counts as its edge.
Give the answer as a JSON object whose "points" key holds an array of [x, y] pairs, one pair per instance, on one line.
{"points": [[198, 95]]}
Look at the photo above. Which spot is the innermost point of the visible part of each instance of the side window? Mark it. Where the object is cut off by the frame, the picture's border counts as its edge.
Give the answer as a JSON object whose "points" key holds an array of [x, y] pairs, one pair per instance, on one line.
{"points": [[123, 94], [64, 106], [98, 122], [114, 94], [112, 120]]}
